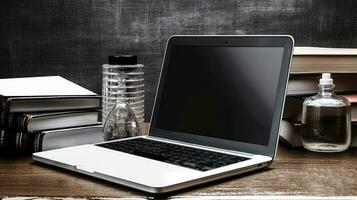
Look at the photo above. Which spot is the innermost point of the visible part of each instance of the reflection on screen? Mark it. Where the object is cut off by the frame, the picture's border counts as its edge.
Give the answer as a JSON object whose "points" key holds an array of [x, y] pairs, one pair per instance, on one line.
{"points": [[221, 92]]}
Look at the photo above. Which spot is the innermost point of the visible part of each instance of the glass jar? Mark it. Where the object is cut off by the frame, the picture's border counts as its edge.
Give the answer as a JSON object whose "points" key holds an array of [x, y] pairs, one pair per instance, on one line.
{"points": [[121, 121], [131, 86], [326, 120]]}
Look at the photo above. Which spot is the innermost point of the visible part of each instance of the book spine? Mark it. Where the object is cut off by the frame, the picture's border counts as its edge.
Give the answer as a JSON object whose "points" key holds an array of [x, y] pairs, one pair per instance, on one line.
{"points": [[2, 139], [22, 123], [4, 104], [15, 121], [2, 100], [11, 120], [3, 118], [16, 142], [37, 144], [7, 142], [24, 143]]}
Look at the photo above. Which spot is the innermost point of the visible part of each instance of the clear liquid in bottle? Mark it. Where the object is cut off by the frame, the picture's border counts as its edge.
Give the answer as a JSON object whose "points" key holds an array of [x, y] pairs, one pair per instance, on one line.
{"points": [[326, 120]]}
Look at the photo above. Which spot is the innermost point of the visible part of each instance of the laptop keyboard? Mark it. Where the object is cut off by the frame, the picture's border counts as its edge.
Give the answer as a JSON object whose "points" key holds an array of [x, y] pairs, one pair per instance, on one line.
{"points": [[198, 159]]}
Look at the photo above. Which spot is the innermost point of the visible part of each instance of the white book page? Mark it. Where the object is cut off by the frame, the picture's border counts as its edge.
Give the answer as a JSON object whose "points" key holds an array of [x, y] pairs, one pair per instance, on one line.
{"points": [[324, 51], [41, 86]]}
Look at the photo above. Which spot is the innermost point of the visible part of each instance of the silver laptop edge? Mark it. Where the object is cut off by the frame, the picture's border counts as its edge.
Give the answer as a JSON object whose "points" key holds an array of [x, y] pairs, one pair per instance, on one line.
{"points": [[171, 188]]}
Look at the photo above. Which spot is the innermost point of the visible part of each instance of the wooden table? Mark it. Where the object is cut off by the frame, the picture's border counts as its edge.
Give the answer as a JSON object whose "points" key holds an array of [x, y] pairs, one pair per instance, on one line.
{"points": [[295, 172]]}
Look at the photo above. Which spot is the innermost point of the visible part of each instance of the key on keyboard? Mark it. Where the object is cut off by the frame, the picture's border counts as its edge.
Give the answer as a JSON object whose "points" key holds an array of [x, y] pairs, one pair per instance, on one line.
{"points": [[198, 159]]}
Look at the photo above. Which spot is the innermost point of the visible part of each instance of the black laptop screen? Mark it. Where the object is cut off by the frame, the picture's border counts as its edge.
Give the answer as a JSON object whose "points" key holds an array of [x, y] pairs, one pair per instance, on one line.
{"points": [[221, 92]]}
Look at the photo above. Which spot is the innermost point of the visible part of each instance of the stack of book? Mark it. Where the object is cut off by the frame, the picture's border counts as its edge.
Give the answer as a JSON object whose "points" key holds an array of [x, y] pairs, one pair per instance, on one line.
{"points": [[307, 65], [43, 113]]}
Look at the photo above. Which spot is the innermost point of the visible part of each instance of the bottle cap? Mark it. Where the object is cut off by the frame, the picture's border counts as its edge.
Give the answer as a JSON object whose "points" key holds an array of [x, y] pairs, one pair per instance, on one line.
{"points": [[326, 79], [118, 59]]}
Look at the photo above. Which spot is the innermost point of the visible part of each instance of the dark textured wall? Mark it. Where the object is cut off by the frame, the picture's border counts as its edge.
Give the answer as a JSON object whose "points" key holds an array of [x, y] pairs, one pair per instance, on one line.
{"points": [[72, 38]]}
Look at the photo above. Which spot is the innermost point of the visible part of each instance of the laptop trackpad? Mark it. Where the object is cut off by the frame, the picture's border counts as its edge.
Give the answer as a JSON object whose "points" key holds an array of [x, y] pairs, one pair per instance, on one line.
{"points": [[91, 158]]}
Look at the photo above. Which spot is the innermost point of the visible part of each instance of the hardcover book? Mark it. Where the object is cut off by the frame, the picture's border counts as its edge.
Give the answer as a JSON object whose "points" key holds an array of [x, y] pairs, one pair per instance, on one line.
{"points": [[293, 107], [18, 142], [32, 122], [306, 85], [290, 134], [318, 60], [47, 93], [54, 139]]}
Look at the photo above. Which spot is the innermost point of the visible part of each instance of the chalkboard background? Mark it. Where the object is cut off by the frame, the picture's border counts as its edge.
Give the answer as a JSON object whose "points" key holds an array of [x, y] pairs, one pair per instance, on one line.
{"points": [[72, 38]]}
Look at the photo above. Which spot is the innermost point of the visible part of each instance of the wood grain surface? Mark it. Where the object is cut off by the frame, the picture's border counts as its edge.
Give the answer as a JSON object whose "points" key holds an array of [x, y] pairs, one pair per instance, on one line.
{"points": [[295, 172]]}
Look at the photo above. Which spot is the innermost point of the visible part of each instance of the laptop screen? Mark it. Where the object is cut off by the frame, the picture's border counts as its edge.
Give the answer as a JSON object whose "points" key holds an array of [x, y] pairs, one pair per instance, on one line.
{"points": [[221, 92]]}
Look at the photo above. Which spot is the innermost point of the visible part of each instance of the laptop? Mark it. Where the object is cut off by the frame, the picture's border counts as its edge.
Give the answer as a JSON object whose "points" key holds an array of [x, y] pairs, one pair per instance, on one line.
{"points": [[216, 114]]}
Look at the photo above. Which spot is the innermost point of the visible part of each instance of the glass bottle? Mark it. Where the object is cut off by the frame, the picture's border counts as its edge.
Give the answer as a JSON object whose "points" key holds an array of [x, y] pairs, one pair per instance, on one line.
{"points": [[326, 120], [121, 121], [123, 66]]}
